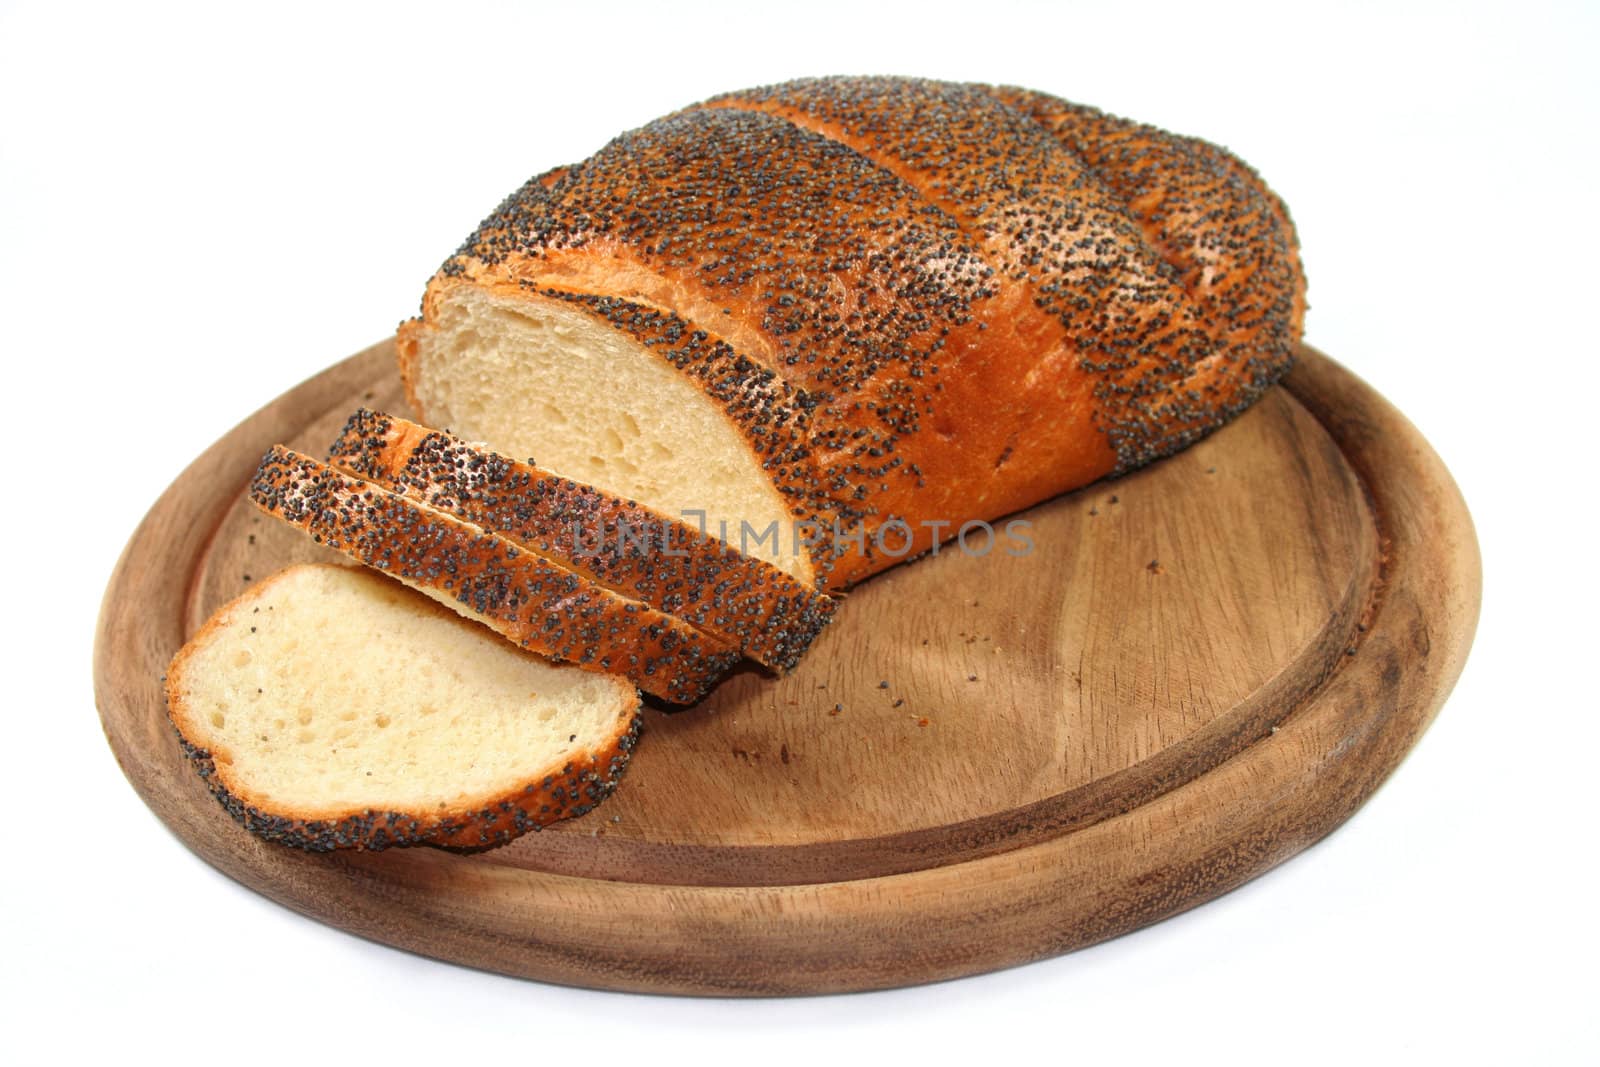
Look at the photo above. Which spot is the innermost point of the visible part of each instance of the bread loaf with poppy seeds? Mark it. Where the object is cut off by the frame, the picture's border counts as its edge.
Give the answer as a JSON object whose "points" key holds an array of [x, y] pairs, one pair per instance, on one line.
{"points": [[855, 302]]}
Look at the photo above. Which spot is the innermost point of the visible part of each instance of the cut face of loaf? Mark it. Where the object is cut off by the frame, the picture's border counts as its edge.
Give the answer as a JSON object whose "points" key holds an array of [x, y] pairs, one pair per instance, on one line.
{"points": [[863, 301], [631, 550], [546, 380], [532, 602], [333, 708]]}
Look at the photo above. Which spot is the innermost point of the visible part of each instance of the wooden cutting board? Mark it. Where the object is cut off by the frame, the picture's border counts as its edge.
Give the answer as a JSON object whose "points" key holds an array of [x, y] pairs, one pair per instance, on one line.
{"points": [[1199, 670]]}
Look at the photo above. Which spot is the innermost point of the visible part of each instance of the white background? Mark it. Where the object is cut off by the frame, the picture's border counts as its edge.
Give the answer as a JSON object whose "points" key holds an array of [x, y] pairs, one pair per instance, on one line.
{"points": [[201, 206]]}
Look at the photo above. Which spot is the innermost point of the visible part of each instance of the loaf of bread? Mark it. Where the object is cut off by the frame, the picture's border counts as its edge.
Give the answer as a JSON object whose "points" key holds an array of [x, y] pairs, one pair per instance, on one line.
{"points": [[874, 307], [631, 550], [542, 607], [330, 707], [832, 322]]}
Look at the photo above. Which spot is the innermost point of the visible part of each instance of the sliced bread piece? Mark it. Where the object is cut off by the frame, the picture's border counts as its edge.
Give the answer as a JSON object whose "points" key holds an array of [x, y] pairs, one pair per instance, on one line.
{"points": [[630, 549], [329, 707], [540, 606]]}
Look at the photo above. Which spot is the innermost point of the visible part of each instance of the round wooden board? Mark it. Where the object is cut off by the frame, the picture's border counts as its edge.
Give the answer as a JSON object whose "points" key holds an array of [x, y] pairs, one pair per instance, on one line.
{"points": [[1197, 671]]}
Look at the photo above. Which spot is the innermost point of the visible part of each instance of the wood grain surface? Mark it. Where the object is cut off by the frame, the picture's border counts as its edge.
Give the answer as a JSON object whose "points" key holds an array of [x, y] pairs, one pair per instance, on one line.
{"points": [[1195, 672]]}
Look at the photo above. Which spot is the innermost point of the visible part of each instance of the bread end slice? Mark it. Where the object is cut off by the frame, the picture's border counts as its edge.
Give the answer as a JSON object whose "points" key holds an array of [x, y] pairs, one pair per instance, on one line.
{"points": [[332, 708]]}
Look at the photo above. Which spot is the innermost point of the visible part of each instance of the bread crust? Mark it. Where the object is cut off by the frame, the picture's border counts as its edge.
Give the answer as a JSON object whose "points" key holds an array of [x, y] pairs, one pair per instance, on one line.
{"points": [[917, 300], [532, 602], [558, 791], [630, 549]]}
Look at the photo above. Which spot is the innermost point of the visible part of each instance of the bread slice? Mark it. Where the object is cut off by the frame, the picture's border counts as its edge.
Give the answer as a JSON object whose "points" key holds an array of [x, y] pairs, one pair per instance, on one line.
{"points": [[629, 549], [329, 707], [540, 606]]}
